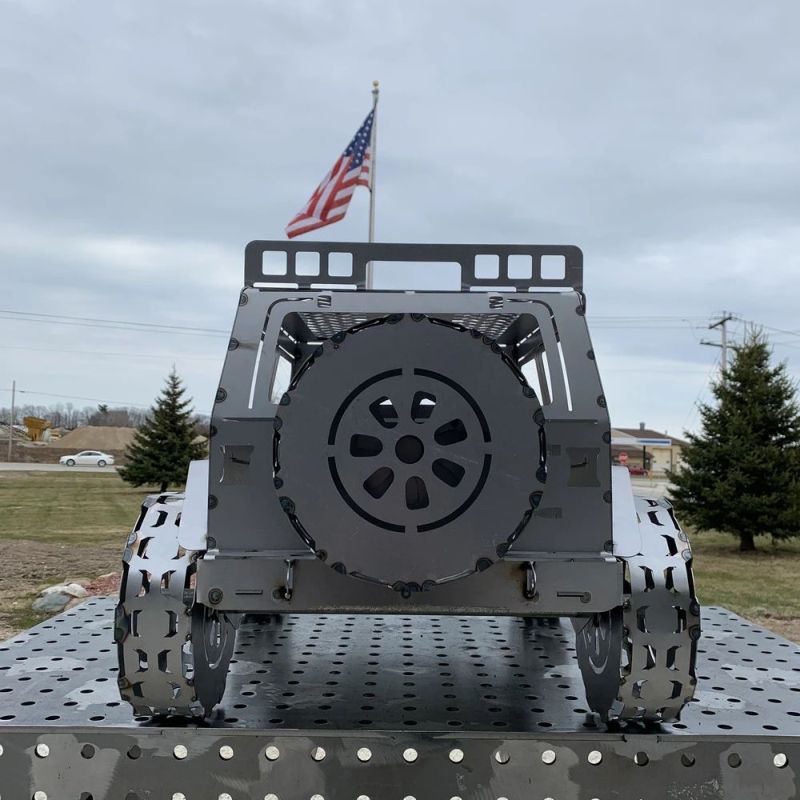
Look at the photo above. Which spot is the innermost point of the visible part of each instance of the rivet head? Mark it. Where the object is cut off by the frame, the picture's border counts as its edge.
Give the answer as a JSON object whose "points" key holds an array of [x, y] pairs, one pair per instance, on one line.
{"points": [[1, 749], [364, 754], [502, 757], [272, 753], [362, 797], [780, 760], [317, 797], [456, 755], [271, 796], [224, 796], [226, 752], [40, 795], [178, 796], [549, 757], [180, 751], [410, 755], [594, 757], [42, 750], [318, 753]]}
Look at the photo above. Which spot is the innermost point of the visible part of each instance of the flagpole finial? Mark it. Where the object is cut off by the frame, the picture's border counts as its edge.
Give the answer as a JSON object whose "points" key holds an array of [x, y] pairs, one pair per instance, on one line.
{"points": [[376, 84]]}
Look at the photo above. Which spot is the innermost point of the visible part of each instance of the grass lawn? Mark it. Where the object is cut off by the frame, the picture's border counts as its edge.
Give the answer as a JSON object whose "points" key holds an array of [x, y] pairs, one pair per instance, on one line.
{"points": [[82, 508], [762, 586], [56, 526]]}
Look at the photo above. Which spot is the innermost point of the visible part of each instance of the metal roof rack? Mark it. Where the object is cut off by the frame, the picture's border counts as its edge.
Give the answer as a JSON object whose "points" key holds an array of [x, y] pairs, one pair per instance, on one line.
{"points": [[518, 268]]}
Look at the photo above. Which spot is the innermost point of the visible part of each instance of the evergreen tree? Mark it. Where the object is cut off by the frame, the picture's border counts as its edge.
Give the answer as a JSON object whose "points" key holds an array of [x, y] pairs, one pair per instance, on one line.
{"points": [[741, 473], [162, 447]]}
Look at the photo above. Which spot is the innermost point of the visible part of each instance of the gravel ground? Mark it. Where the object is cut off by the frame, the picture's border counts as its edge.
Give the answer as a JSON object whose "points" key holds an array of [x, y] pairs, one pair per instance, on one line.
{"points": [[36, 565]]}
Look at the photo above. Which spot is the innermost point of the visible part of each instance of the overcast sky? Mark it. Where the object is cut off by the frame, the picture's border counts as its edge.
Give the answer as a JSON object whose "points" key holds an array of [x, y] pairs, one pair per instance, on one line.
{"points": [[144, 143]]}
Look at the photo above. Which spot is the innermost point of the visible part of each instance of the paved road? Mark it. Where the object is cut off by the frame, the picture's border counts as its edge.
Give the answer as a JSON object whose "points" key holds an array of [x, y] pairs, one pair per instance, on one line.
{"points": [[17, 467]]}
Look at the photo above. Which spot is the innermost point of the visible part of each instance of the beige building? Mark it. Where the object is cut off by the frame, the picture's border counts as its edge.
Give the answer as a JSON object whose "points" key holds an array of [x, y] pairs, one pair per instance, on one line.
{"points": [[646, 448]]}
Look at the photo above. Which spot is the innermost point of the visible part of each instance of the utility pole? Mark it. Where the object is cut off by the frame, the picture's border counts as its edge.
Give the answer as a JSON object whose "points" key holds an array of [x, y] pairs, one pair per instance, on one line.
{"points": [[11, 424], [722, 324]]}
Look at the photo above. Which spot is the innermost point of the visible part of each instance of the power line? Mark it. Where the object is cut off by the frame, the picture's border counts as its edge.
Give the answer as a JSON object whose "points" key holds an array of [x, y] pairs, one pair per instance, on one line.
{"points": [[111, 324], [88, 399], [769, 327], [647, 319], [116, 353], [78, 397], [791, 345], [113, 321]]}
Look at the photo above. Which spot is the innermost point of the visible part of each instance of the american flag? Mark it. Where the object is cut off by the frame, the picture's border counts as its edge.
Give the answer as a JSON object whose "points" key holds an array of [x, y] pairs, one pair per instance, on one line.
{"points": [[332, 197]]}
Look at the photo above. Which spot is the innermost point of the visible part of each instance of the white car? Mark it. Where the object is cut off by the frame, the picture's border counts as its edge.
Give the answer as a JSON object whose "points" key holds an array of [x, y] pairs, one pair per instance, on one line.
{"points": [[87, 457]]}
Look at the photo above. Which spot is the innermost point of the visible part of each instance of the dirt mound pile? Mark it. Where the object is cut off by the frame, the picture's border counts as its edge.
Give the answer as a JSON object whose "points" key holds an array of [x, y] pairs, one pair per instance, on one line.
{"points": [[95, 437]]}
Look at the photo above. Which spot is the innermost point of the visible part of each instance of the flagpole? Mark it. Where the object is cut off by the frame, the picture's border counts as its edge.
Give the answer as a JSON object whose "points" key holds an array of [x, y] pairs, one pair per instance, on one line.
{"points": [[372, 167]]}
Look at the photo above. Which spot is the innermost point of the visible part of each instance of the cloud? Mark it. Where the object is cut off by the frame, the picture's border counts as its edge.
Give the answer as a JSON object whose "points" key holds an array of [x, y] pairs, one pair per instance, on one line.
{"points": [[207, 263]]}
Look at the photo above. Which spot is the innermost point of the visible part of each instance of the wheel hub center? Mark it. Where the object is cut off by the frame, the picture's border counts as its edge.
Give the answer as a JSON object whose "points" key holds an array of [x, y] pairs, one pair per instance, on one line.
{"points": [[409, 449]]}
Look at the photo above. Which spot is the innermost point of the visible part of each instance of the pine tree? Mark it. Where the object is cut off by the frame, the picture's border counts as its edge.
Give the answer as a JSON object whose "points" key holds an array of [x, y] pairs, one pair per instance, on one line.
{"points": [[741, 473], [162, 447]]}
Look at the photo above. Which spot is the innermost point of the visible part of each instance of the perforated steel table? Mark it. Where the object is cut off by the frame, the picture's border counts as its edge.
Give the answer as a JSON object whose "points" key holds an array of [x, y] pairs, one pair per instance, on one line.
{"points": [[385, 707]]}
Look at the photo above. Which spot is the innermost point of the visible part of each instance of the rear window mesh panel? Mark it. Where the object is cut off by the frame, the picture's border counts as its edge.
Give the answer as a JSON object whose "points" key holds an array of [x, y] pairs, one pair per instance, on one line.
{"points": [[324, 326], [494, 325]]}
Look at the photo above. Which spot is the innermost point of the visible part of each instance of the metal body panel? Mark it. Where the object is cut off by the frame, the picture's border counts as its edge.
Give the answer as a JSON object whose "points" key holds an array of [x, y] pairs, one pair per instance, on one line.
{"points": [[562, 587], [627, 534], [193, 529], [469, 707], [575, 513]]}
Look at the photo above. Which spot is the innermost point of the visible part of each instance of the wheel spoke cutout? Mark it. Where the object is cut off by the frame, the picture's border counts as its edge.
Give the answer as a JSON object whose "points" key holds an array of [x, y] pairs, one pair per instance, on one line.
{"points": [[379, 482], [364, 446], [422, 406], [416, 494], [450, 433], [448, 471], [384, 412]]}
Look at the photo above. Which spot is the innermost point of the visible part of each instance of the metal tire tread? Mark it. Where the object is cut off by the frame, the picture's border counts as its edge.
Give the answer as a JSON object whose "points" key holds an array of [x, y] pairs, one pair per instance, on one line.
{"points": [[661, 620], [638, 660], [154, 618]]}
